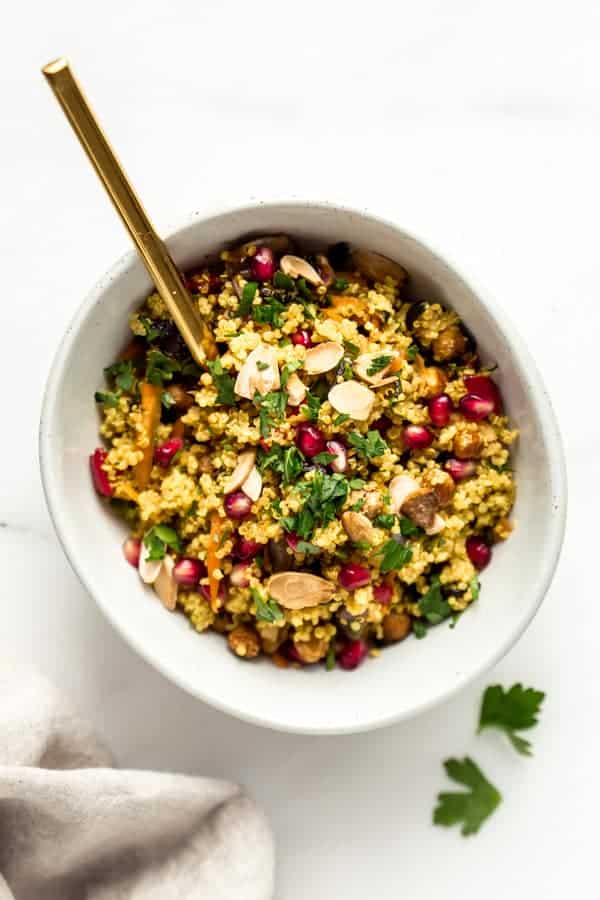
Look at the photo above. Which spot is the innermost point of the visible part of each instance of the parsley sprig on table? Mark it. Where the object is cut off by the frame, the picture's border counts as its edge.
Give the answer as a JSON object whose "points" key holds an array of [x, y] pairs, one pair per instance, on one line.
{"points": [[510, 711], [472, 807]]}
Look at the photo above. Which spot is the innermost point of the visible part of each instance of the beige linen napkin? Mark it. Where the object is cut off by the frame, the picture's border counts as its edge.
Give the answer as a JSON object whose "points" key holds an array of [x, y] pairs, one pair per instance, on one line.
{"points": [[71, 828]]}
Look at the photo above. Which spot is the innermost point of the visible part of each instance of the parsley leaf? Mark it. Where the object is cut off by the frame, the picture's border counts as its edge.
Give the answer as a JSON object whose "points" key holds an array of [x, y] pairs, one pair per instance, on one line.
{"points": [[419, 629], [287, 370], [408, 527], [330, 658], [324, 458], [268, 312], [283, 282], [151, 331], [433, 605], [412, 351], [266, 610], [293, 463], [157, 539], [340, 284], [160, 368], [107, 398], [248, 293], [312, 407], [378, 364], [223, 382], [307, 547], [351, 349], [324, 495], [271, 459], [339, 420], [369, 446], [475, 586], [357, 483], [122, 372], [395, 556], [511, 711], [384, 520], [271, 410], [472, 807], [262, 366]]}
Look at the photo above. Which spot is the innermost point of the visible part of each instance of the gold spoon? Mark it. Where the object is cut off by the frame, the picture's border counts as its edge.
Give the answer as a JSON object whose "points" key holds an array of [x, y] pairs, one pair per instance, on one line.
{"points": [[156, 257]]}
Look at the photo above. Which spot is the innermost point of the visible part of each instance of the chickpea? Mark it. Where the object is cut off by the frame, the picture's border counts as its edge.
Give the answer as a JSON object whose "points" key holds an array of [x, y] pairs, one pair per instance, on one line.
{"points": [[312, 651], [396, 626], [244, 641], [449, 344], [467, 445], [441, 483], [433, 381]]}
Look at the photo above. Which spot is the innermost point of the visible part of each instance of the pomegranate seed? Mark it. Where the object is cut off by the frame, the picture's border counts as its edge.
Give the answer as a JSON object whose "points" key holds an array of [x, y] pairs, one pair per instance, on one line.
{"points": [[165, 453], [353, 654], [353, 576], [237, 505], [303, 338], [99, 476], [263, 264], [417, 437], [245, 549], [266, 445], [478, 552], [292, 540], [440, 408], [460, 469], [383, 594], [239, 575], [381, 425], [132, 548], [310, 440], [483, 387], [475, 408], [340, 462], [290, 652], [214, 284], [205, 591], [189, 571]]}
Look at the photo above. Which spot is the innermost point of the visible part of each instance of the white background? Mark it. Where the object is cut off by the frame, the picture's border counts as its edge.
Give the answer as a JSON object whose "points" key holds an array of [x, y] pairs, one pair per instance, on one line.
{"points": [[475, 124]]}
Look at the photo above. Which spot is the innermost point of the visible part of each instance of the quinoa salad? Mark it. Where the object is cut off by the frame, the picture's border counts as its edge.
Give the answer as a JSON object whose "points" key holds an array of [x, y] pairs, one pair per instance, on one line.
{"points": [[334, 476]]}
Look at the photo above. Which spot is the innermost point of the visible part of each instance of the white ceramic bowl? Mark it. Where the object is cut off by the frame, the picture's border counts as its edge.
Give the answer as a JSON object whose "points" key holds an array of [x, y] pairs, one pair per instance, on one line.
{"points": [[405, 679]]}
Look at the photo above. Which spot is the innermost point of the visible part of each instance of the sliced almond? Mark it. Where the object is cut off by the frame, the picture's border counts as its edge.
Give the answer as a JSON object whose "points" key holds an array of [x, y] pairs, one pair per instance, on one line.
{"points": [[251, 378], [245, 462], [378, 267], [351, 398], [358, 527], [438, 525], [252, 486], [296, 267], [323, 357], [295, 590], [363, 363], [401, 487], [148, 568], [296, 390], [165, 585]]}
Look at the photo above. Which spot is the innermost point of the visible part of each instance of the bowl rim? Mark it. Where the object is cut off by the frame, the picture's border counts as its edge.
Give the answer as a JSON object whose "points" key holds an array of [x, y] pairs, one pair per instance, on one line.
{"points": [[541, 401]]}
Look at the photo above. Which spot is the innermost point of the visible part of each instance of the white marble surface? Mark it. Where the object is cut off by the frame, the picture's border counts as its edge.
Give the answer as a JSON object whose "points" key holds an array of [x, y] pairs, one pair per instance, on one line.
{"points": [[476, 125]]}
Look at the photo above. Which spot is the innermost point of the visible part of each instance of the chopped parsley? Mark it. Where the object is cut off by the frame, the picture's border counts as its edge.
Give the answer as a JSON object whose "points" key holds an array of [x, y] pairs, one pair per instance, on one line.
{"points": [[268, 312], [307, 547], [223, 382], [271, 410], [324, 459], [160, 368], [378, 364], [287, 370], [266, 610], [395, 556], [470, 808], [149, 327], [158, 539], [368, 446], [108, 398], [351, 349], [384, 520], [408, 528], [293, 463], [434, 607], [262, 366], [122, 372], [324, 495], [341, 418], [510, 711], [340, 284], [412, 352], [356, 507], [248, 294], [419, 629], [330, 658], [283, 282], [312, 407], [475, 586]]}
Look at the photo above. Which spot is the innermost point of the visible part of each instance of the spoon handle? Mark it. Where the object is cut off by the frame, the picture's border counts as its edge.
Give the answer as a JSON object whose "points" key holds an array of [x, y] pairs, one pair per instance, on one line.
{"points": [[156, 257]]}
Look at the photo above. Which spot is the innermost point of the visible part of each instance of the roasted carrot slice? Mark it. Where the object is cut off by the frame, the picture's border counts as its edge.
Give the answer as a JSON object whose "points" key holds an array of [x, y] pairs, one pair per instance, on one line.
{"points": [[150, 402], [212, 560], [395, 365]]}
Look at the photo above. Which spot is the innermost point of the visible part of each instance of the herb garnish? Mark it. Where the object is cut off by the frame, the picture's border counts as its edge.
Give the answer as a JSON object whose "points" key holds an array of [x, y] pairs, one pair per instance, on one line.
{"points": [[340, 284], [514, 710], [378, 364], [419, 629], [108, 398], [384, 520], [248, 294], [158, 539], [160, 368], [368, 446], [324, 495], [433, 605], [412, 352], [408, 528], [151, 330], [271, 410], [472, 807], [312, 407], [122, 372], [266, 610], [395, 556], [223, 382], [351, 349], [341, 418], [287, 370]]}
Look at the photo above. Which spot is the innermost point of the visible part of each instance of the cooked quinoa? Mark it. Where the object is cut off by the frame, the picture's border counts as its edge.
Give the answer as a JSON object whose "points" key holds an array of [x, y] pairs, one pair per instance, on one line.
{"points": [[331, 480]]}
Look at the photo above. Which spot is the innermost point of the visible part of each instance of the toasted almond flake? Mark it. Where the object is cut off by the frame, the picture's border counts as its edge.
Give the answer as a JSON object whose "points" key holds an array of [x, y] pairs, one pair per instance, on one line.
{"points": [[323, 357], [245, 462], [378, 267], [295, 590], [251, 379], [363, 363], [401, 487], [438, 525], [296, 390], [358, 527], [148, 568], [296, 267], [165, 585], [351, 398], [252, 485]]}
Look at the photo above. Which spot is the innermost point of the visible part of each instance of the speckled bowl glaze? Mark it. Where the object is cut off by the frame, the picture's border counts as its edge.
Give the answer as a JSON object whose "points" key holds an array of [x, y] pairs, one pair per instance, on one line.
{"points": [[406, 678]]}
